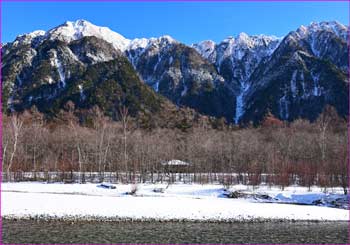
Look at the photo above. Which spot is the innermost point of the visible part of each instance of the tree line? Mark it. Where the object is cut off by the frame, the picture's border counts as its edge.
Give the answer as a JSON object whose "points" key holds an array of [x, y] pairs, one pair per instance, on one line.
{"points": [[274, 153]]}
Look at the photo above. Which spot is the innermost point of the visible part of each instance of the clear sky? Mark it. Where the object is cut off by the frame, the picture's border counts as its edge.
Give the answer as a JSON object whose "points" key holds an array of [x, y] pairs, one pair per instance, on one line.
{"points": [[189, 22]]}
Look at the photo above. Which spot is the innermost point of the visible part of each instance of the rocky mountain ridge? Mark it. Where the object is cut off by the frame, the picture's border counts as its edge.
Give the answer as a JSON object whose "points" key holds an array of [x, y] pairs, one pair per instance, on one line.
{"points": [[240, 78]]}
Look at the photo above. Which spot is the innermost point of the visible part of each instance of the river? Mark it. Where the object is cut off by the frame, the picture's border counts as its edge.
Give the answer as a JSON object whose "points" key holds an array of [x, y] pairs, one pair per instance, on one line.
{"points": [[30, 231]]}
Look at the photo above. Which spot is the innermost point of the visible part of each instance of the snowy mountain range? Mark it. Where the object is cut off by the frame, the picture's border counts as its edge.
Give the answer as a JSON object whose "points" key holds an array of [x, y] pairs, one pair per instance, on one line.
{"points": [[240, 78]]}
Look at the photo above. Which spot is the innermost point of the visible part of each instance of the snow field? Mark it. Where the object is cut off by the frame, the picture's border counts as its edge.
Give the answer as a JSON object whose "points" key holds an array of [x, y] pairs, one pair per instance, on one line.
{"points": [[178, 202]]}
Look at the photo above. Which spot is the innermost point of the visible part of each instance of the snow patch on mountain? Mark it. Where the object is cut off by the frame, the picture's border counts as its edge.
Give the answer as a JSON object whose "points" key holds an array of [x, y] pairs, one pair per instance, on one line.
{"points": [[240, 55], [284, 105], [28, 38], [317, 34], [19, 81], [152, 46], [316, 89], [237, 47], [314, 49], [50, 80], [81, 92], [156, 86], [171, 59], [335, 27], [155, 49], [240, 105], [138, 43], [144, 43], [293, 83], [331, 26], [159, 60], [57, 63], [75, 30], [99, 57], [206, 49], [185, 89]]}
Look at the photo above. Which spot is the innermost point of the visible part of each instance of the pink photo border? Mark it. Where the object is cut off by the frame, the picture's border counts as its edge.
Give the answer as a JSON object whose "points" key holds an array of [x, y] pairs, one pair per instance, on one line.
{"points": [[1, 168]]}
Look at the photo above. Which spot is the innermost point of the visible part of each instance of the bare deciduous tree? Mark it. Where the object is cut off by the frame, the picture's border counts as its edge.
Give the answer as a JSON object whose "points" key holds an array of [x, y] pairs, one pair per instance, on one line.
{"points": [[124, 117], [16, 124]]}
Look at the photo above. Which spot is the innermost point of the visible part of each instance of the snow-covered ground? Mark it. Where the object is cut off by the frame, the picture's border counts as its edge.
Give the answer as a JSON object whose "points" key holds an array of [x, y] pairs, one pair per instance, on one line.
{"points": [[177, 202]]}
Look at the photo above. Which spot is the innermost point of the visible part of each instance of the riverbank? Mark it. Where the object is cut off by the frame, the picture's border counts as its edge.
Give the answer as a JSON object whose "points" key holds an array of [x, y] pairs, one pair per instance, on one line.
{"points": [[178, 202]]}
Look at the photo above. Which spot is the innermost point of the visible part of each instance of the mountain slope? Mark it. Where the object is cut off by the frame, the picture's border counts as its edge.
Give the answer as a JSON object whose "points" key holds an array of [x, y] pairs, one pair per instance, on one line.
{"points": [[179, 73], [240, 78], [88, 71], [302, 76], [236, 59]]}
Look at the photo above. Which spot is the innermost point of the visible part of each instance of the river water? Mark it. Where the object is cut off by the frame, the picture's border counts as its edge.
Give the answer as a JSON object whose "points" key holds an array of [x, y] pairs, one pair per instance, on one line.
{"points": [[22, 231]]}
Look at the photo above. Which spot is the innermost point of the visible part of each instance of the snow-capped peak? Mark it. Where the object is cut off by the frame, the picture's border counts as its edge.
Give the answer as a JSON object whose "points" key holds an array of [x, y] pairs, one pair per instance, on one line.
{"points": [[243, 37], [229, 39], [237, 47], [205, 48], [327, 24], [28, 37], [302, 31], [167, 38], [138, 43], [339, 29], [331, 26], [144, 43], [36, 33], [163, 40], [70, 31]]}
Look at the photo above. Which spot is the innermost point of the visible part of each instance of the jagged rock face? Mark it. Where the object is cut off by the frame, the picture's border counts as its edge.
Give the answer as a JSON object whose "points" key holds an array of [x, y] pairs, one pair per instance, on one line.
{"points": [[307, 71], [294, 77], [236, 58], [88, 71], [240, 78], [91, 50], [325, 40], [179, 73]]}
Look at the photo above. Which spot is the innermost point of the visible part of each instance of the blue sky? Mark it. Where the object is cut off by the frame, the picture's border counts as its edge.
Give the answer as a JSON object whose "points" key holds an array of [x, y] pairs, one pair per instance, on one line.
{"points": [[189, 22]]}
